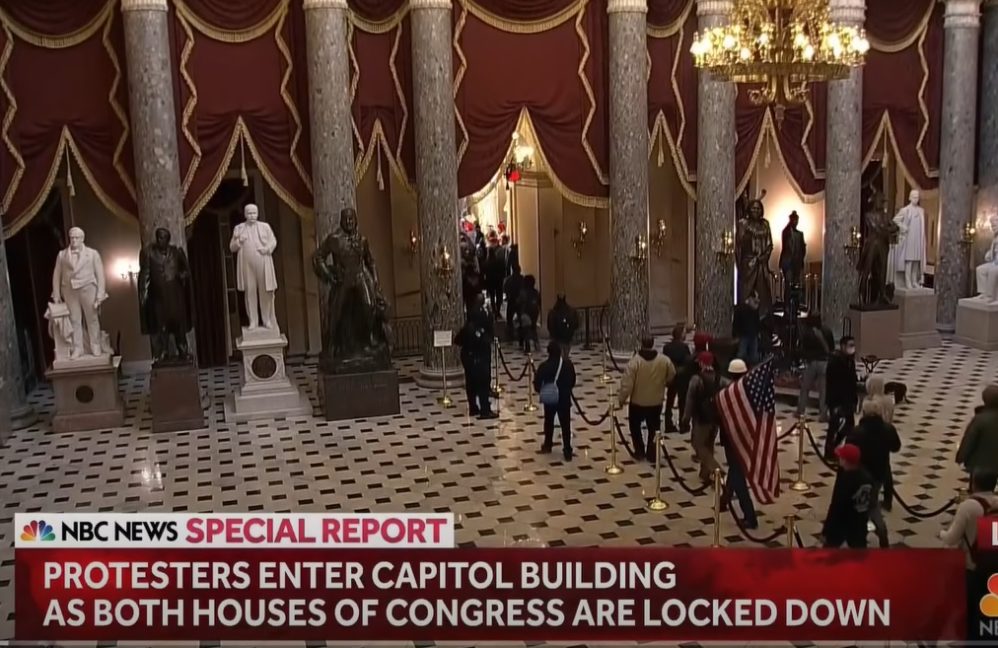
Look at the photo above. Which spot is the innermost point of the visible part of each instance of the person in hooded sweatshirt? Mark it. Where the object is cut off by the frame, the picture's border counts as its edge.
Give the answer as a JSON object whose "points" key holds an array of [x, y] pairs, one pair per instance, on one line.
{"points": [[643, 385], [475, 340], [557, 369], [677, 351], [875, 391], [849, 508], [876, 440], [685, 374], [978, 451]]}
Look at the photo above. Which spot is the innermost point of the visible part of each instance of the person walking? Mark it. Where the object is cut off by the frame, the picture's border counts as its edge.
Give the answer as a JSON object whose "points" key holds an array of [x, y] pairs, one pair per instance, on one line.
{"points": [[875, 391], [816, 345], [495, 275], [475, 339], [643, 385], [513, 286], [529, 309], [876, 440], [701, 412], [745, 328], [849, 508], [678, 352], [736, 484], [841, 394], [563, 322], [978, 451], [557, 370]]}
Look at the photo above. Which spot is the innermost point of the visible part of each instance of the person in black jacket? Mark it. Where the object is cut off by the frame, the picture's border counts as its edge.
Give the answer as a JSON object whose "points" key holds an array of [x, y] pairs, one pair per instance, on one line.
{"points": [[816, 344], [563, 322], [557, 369], [876, 440], [849, 510], [529, 309], [495, 275], [678, 352], [745, 328], [841, 393], [475, 340], [513, 286]]}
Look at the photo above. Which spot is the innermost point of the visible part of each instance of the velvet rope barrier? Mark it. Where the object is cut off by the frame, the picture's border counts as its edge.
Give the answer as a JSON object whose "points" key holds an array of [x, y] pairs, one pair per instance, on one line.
{"points": [[623, 438], [509, 374], [800, 541], [578, 408], [679, 479], [745, 532]]}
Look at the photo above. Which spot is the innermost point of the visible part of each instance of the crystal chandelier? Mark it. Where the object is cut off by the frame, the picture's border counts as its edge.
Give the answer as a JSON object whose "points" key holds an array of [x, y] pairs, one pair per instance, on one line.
{"points": [[781, 44]]}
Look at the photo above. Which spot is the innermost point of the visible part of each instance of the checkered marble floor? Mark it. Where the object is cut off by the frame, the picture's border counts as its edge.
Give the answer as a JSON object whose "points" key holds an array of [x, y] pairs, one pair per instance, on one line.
{"points": [[488, 473]]}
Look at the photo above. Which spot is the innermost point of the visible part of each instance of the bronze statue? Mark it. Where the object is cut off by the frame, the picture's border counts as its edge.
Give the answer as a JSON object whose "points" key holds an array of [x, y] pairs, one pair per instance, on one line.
{"points": [[356, 338], [165, 311], [876, 243], [793, 253], [753, 247]]}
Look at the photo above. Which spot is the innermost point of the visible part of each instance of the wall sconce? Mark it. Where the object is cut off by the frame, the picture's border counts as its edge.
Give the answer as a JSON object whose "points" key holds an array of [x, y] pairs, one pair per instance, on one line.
{"points": [[443, 264], [727, 249], [640, 252], [412, 247], [579, 242], [658, 238], [127, 270], [969, 234], [855, 239]]}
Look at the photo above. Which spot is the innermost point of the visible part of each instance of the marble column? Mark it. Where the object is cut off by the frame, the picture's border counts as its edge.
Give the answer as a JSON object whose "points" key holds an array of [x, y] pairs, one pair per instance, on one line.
{"points": [[714, 284], [154, 118], [436, 177], [843, 181], [329, 105], [14, 407], [628, 172], [956, 163], [987, 146]]}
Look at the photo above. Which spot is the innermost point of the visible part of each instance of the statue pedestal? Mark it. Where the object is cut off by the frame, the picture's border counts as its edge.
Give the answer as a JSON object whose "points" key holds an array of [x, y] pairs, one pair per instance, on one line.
{"points": [[977, 323], [918, 318], [86, 394], [360, 395], [877, 331], [266, 391], [175, 398]]}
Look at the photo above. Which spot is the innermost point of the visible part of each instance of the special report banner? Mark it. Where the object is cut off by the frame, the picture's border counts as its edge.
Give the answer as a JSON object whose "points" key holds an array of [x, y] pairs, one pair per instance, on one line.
{"points": [[591, 594]]}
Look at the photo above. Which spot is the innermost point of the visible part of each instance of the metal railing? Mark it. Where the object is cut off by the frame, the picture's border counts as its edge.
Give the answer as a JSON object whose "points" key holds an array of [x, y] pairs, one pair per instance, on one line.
{"points": [[407, 336]]}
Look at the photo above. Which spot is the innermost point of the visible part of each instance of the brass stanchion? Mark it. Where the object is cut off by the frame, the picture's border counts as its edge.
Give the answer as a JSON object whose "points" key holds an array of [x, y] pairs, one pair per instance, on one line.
{"points": [[444, 400], [717, 508], [800, 485], [657, 503], [496, 384], [604, 376], [612, 468], [791, 521], [796, 431], [530, 406]]}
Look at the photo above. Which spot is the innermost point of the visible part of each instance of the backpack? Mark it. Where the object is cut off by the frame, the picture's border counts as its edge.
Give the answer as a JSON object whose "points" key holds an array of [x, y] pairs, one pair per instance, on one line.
{"points": [[706, 407], [549, 391], [985, 560]]}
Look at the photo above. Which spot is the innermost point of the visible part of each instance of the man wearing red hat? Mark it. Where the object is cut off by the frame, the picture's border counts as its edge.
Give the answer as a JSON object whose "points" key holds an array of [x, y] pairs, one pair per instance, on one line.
{"points": [[701, 411], [849, 510]]}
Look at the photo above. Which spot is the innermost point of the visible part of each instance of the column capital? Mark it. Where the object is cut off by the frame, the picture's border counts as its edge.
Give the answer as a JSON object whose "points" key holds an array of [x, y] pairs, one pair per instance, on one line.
{"points": [[629, 6], [962, 13], [429, 4], [144, 5], [850, 12], [325, 4], [715, 7]]}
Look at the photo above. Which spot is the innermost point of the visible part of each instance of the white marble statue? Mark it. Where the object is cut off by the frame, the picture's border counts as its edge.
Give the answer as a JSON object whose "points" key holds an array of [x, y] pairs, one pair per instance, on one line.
{"points": [[254, 244], [907, 263], [78, 290], [987, 272]]}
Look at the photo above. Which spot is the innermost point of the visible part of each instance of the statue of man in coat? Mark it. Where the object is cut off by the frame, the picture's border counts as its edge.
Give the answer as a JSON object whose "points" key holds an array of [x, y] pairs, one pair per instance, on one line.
{"points": [[907, 265], [254, 243]]}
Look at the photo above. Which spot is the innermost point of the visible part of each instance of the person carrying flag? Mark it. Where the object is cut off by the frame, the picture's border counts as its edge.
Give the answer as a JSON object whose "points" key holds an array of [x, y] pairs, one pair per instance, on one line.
{"points": [[736, 484]]}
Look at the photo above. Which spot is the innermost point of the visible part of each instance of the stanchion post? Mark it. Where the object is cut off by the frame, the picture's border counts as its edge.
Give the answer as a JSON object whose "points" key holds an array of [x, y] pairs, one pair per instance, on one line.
{"points": [[657, 503], [496, 384], [791, 521], [800, 485], [604, 376], [717, 508], [530, 406], [796, 431], [612, 468], [444, 400]]}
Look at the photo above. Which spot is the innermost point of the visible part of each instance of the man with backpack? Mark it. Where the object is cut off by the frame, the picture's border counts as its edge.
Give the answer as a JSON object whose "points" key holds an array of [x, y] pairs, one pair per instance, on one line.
{"points": [[962, 533], [701, 412], [475, 340]]}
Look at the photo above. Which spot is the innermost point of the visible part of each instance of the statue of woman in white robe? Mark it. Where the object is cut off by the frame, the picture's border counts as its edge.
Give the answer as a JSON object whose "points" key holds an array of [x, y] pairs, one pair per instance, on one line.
{"points": [[254, 244], [987, 272], [907, 266]]}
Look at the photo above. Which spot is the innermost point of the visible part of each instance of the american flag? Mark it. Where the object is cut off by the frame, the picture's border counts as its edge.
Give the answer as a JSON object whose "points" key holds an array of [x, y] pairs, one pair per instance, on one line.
{"points": [[748, 414]]}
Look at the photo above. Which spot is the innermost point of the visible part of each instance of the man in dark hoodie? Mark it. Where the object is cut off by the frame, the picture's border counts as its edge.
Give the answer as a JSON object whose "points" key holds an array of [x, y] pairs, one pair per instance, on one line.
{"points": [[849, 510], [876, 440], [842, 394], [643, 385], [563, 322], [678, 352], [559, 370], [529, 309], [512, 287], [475, 340]]}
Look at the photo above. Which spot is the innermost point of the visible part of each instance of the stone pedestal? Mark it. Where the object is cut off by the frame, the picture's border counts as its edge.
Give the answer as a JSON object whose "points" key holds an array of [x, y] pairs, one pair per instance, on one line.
{"points": [[360, 395], [266, 391], [175, 398], [877, 332], [918, 318], [86, 394], [977, 323]]}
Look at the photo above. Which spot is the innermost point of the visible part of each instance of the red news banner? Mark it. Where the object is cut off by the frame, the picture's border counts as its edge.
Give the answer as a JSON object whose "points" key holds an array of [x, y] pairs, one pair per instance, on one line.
{"points": [[304, 586]]}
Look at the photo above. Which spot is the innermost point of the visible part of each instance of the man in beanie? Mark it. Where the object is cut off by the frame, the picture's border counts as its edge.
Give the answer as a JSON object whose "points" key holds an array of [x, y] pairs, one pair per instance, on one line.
{"points": [[978, 451], [685, 373], [849, 510], [643, 384], [701, 411]]}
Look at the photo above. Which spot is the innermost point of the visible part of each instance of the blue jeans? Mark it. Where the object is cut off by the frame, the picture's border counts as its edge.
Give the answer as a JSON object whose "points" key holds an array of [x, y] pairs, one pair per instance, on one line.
{"points": [[737, 485], [748, 349]]}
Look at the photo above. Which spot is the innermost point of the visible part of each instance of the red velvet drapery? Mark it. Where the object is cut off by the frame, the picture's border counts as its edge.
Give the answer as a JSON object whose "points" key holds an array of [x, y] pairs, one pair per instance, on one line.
{"points": [[64, 88]]}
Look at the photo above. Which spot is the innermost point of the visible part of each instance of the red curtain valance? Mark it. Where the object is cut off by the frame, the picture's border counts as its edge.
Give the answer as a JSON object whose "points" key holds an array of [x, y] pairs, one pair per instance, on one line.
{"points": [[664, 13], [526, 11], [892, 24], [52, 18], [376, 10], [232, 15]]}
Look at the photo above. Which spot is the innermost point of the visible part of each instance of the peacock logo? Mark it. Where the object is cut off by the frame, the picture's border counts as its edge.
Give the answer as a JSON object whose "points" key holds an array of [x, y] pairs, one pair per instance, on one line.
{"points": [[38, 530]]}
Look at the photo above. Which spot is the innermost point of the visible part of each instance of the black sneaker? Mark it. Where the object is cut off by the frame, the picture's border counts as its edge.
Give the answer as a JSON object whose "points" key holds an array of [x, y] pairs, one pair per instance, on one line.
{"points": [[567, 453], [546, 448], [488, 415]]}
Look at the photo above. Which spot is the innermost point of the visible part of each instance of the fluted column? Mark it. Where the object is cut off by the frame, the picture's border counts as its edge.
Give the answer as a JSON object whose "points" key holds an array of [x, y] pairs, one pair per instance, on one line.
{"points": [[987, 146], [956, 164], [154, 118], [436, 175], [843, 181], [628, 171], [715, 212], [15, 411], [329, 107]]}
